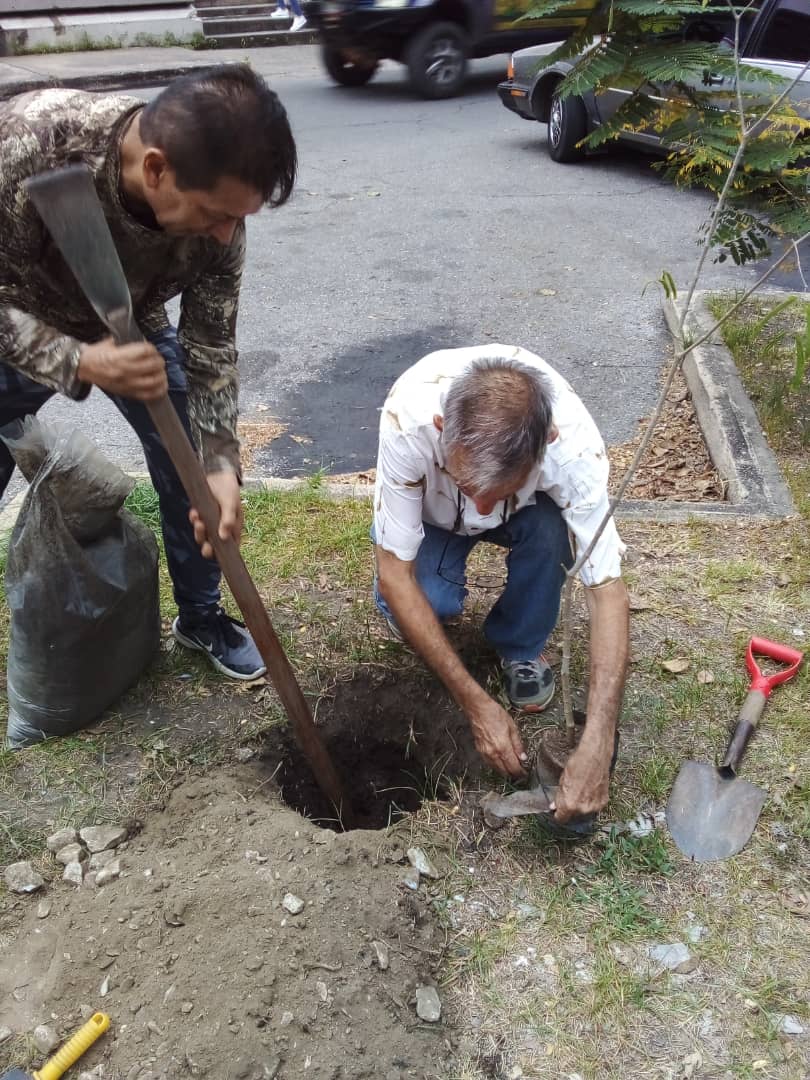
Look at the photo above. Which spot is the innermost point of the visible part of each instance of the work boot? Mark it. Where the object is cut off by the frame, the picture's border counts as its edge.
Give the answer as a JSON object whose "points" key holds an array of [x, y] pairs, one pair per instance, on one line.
{"points": [[529, 684], [225, 642]]}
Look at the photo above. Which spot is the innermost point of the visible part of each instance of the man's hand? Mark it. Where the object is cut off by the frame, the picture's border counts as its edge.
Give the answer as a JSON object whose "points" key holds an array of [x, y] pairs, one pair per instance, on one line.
{"points": [[132, 371], [226, 491], [583, 787], [497, 739]]}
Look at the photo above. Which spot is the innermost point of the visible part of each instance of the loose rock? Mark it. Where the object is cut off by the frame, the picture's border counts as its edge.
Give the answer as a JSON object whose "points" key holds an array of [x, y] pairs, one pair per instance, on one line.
{"points": [[789, 1025], [419, 861], [74, 873], [21, 877], [5, 1033], [292, 903], [45, 1039], [244, 754], [675, 957], [43, 909], [56, 841], [428, 1005], [102, 837], [101, 858], [108, 873], [410, 879], [71, 853], [381, 954]]}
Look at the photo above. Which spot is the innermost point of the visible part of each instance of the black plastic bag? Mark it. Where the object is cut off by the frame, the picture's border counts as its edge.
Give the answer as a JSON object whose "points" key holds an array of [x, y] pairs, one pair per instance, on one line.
{"points": [[81, 585]]}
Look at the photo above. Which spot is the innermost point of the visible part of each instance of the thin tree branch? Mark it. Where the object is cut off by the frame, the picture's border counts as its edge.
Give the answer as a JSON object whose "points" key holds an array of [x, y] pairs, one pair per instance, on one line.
{"points": [[675, 366]]}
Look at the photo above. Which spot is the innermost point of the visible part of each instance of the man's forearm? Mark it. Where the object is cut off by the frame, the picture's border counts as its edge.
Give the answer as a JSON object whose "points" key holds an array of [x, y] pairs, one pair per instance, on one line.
{"points": [[41, 353], [609, 654], [423, 631]]}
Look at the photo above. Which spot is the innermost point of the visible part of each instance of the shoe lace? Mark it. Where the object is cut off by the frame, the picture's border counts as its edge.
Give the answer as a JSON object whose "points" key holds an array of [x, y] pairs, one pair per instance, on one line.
{"points": [[527, 669], [222, 623]]}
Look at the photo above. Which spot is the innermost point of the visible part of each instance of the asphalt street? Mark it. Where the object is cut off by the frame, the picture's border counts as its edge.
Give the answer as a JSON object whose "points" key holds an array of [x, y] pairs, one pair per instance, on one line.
{"points": [[422, 225]]}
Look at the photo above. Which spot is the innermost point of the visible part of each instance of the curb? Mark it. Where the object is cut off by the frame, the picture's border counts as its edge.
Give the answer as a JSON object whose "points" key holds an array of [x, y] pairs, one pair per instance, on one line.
{"points": [[113, 80], [133, 78], [729, 422]]}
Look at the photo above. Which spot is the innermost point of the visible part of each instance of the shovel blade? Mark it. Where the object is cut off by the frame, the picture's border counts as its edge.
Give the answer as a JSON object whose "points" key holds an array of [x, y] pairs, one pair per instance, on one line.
{"points": [[67, 202], [711, 817]]}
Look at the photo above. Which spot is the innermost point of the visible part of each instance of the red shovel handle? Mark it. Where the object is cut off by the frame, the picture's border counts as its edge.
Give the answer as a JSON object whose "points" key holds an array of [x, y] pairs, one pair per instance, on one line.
{"points": [[782, 654]]}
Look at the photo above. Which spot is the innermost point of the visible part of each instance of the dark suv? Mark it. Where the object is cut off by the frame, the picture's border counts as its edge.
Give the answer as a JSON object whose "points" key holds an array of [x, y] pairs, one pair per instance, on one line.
{"points": [[433, 38]]}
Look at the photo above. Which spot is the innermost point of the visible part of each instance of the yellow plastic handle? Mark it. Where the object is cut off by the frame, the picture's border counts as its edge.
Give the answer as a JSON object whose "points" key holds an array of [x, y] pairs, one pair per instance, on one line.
{"points": [[74, 1047]]}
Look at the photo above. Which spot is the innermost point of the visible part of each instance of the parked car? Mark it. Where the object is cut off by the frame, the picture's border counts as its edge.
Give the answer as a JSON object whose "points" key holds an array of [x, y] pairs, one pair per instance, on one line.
{"points": [[434, 39], [776, 38]]}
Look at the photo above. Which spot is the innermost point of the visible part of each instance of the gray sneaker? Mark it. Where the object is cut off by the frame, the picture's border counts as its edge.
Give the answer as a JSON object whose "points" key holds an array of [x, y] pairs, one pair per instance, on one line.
{"points": [[225, 642], [529, 684]]}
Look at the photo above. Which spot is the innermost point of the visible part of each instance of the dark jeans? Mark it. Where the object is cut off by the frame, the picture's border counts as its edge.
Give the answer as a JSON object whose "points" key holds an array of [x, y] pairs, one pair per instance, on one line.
{"points": [[195, 579], [525, 613]]}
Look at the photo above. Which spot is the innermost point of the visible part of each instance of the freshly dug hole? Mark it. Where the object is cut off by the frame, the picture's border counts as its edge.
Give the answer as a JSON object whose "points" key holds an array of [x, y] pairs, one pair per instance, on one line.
{"points": [[394, 742]]}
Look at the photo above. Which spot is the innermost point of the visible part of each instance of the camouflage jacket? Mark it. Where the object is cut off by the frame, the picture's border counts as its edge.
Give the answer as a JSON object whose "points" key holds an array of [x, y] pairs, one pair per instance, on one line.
{"points": [[44, 316]]}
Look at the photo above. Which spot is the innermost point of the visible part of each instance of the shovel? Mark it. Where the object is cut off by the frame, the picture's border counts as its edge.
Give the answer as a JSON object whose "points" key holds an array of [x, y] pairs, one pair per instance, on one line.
{"points": [[711, 813], [69, 1054], [68, 205]]}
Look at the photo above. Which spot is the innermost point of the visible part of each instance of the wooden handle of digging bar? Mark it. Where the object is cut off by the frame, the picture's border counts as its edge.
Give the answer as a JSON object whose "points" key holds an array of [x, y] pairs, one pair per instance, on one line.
{"points": [[250, 604]]}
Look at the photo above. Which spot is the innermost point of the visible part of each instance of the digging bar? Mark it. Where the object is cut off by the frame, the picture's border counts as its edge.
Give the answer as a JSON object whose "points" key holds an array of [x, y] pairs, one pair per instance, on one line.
{"points": [[711, 812], [68, 205]]}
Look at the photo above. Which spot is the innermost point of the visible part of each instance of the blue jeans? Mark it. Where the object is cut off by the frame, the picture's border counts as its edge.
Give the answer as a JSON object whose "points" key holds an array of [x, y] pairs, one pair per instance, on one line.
{"points": [[195, 579], [524, 615]]}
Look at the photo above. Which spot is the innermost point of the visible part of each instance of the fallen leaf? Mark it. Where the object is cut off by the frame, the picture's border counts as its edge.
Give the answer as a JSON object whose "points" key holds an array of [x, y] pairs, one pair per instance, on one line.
{"points": [[689, 1066], [638, 603], [705, 677], [796, 901], [677, 666]]}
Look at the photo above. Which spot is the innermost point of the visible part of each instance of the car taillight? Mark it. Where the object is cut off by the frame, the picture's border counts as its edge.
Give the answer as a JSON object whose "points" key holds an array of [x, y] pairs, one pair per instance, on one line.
{"points": [[510, 69]]}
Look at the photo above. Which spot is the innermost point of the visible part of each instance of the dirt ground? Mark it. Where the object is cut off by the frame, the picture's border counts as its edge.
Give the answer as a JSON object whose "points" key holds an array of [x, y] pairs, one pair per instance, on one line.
{"points": [[192, 951], [209, 975]]}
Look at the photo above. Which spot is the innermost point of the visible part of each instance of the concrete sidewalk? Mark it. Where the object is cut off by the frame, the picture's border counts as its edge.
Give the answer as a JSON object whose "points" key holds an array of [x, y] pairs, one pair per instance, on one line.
{"points": [[120, 69]]}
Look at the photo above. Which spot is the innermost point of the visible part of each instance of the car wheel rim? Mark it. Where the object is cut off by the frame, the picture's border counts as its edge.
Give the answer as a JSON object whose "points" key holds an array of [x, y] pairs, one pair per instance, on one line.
{"points": [[555, 121], [443, 62]]}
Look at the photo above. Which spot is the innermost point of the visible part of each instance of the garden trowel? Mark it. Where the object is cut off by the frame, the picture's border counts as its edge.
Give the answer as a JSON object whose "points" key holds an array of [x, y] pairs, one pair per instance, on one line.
{"points": [[711, 812]]}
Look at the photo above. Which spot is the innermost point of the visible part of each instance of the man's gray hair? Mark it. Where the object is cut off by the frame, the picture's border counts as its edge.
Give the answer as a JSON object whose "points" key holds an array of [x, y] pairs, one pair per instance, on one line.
{"points": [[497, 418]]}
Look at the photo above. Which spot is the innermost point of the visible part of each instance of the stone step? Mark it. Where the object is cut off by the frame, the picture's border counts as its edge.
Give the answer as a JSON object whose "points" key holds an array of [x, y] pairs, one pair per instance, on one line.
{"points": [[201, 5], [237, 11], [243, 25], [253, 41]]}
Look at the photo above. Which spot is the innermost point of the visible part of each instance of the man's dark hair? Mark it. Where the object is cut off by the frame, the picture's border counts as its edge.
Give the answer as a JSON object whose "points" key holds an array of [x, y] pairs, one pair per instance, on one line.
{"points": [[497, 416], [226, 122]]}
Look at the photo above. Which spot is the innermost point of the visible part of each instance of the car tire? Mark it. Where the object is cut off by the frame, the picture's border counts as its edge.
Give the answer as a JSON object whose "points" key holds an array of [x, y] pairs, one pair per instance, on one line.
{"points": [[345, 71], [567, 124], [436, 58]]}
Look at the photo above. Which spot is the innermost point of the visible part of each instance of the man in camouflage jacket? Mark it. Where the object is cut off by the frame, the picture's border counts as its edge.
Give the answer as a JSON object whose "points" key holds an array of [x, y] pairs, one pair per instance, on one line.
{"points": [[176, 179]]}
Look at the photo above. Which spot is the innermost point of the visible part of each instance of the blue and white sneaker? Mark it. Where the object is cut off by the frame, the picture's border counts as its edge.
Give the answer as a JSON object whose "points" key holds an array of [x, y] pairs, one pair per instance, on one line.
{"points": [[225, 642]]}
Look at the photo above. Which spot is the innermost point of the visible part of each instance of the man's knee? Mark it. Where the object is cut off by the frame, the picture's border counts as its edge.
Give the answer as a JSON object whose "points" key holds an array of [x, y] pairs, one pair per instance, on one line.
{"points": [[542, 527]]}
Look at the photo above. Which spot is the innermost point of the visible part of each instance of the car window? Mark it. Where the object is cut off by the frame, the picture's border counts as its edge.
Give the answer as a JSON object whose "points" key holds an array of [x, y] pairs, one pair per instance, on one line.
{"points": [[788, 34]]}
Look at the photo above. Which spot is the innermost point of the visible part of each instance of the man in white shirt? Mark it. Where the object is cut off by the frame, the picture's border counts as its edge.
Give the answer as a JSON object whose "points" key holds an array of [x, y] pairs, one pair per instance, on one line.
{"points": [[491, 443]]}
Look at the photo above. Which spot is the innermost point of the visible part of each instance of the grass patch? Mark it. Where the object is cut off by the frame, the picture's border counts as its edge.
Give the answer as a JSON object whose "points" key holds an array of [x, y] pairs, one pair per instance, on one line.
{"points": [[767, 337], [85, 43]]}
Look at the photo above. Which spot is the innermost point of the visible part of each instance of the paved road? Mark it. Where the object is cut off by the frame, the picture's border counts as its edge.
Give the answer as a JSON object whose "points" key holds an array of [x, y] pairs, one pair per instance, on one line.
{"points": [[418, 225]]}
